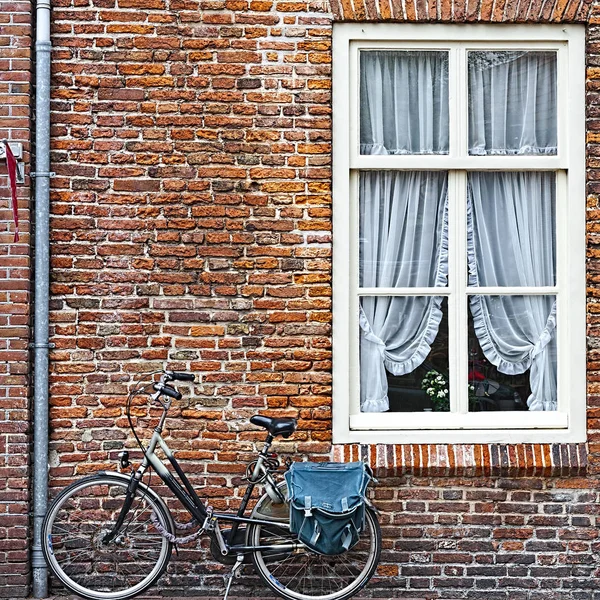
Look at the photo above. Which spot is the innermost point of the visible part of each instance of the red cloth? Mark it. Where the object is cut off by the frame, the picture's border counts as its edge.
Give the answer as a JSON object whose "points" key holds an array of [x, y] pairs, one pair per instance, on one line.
{"points": [[476, 375], [11, 163]]}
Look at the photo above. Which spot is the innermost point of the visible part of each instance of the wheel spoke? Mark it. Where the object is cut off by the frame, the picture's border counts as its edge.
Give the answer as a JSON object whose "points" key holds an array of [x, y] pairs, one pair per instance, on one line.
{"points": [[73, 559]]}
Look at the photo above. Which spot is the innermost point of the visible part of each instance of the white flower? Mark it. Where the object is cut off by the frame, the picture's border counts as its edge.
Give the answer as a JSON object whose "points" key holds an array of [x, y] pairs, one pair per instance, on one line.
{"points": [[445, 391], [441, 394]]}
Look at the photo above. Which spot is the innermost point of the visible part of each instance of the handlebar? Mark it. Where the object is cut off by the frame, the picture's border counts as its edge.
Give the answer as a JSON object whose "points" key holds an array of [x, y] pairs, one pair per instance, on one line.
{"points": [[179, 376], [167, 390], [162, 388]]}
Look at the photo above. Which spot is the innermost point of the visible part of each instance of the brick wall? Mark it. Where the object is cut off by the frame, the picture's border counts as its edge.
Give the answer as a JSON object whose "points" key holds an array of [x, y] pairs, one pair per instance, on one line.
{"points": [[191, 226], [15, 50], [191, 217]]}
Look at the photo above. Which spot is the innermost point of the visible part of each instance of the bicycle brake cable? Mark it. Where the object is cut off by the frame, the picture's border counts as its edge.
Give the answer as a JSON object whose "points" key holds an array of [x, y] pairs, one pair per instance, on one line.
{"points": [[133, 394]]}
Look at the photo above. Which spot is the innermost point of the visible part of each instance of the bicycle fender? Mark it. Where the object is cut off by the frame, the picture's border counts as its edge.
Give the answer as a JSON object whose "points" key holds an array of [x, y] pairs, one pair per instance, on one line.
{"points": [[372, 507], [148, 491]]}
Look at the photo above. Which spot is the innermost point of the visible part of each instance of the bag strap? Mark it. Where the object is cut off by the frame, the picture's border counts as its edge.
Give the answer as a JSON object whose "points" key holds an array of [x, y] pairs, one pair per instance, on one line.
{"points": [[316, 534], [307, 506], [347, 537], [345, 504]]}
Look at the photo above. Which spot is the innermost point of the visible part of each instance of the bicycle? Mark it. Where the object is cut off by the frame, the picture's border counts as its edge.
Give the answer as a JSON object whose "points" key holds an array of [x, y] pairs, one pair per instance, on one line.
{"points": [[110, 536]]}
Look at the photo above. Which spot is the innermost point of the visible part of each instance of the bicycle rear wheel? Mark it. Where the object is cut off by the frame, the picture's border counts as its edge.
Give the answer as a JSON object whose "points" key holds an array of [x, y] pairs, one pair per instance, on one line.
{"points": [[305, 575], [74, 528]]}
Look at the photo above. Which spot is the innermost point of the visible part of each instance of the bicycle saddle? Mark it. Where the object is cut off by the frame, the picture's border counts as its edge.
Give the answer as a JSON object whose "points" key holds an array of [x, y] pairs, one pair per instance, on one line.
{"points": [[284, 426]]}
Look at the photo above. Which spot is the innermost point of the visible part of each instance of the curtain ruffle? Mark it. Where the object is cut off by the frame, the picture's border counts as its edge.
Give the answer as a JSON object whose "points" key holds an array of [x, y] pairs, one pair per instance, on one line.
{"points": [[423, 349], [381, 150], [481, 319], [434, 318], [522, 151], [482, 323], [375, 405]]}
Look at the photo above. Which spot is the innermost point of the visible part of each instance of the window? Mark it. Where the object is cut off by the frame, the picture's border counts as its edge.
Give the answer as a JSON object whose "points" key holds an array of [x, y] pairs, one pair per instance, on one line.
{"points": [[459, 233]]}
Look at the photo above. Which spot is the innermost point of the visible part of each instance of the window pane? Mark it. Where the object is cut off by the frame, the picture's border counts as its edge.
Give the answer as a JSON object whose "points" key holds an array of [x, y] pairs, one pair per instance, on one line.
{"points": [[512, 353], [511, 229], [404, 354], [403, 102], [403, 229], [512, 103]]}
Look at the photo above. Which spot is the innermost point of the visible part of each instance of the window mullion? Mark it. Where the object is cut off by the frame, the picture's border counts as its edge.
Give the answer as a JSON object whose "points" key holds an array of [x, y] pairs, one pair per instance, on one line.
{"points": [[562, 274], [453, 325], [462, 102], [458, 359], [460, 362], [454, 79]]}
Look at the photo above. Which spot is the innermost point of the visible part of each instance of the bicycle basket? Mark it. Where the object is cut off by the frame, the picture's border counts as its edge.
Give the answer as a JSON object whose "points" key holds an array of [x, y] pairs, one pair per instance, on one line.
{"points": [[327, 504]]}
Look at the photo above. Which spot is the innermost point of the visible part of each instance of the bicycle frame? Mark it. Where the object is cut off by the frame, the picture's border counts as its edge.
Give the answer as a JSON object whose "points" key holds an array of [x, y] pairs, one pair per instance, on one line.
{"points": [[190, 500]]}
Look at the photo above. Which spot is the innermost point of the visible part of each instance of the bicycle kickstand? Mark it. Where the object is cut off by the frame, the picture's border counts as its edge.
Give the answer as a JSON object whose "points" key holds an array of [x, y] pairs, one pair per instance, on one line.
{"points": [[234, 573]]}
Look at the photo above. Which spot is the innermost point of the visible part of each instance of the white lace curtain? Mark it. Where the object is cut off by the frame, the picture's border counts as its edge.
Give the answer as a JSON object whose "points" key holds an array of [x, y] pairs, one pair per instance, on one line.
{"points": [[512, 103], [404, 102], [511, 243], [403, 215], [404, 243]]}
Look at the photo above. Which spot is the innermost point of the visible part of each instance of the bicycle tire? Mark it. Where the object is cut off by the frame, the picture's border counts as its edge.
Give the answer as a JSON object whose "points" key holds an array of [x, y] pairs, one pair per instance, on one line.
{"points": [[280, 575], [72, 534]]}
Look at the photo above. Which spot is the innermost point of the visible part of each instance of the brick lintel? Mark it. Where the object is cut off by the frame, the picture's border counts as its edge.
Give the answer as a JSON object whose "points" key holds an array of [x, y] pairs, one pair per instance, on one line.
{"points": [[463, 11], [469, 460]]}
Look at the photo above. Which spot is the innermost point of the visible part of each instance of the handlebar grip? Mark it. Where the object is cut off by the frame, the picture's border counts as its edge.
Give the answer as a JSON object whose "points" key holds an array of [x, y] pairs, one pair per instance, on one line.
{"points": [[167, 391], [179, 376]]}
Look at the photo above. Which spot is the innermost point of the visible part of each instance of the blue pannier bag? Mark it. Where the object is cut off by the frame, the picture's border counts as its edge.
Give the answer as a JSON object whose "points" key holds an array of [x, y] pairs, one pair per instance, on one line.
{"points": [[327, 504]]}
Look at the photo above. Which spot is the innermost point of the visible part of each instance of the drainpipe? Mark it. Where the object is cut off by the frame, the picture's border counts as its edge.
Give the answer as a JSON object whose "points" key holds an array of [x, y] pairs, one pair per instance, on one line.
{"points": [[41, 291]]}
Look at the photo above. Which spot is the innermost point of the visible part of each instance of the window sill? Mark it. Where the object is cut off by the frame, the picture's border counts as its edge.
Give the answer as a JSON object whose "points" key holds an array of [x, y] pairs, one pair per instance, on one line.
{"points": [[468, 460], [443, 421]]}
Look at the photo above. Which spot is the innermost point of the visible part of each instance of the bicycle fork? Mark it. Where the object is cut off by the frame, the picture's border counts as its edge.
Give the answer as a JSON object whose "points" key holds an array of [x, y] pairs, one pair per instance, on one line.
{"points": [[134, 482]]}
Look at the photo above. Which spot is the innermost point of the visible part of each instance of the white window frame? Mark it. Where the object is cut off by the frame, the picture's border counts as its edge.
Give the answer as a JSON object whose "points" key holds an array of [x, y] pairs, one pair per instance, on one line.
{"points": [[567, 424]]}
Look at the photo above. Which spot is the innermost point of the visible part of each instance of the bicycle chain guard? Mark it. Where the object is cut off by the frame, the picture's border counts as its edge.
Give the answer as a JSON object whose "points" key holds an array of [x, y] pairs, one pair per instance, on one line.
{"points": [[238, 540]]}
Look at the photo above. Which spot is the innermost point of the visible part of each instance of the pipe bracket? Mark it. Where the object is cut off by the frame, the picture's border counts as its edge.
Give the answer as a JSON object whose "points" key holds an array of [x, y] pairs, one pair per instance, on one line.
{"points": [[43, 174], [41, 345], [37, 558]]}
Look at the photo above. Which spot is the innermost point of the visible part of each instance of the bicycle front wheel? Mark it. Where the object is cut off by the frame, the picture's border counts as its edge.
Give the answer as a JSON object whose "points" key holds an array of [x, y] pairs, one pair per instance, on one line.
{"points": [[305, 575], [73, 539]]}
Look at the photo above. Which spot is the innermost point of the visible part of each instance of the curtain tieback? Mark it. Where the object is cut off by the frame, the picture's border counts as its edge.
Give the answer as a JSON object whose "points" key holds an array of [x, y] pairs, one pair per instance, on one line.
{"points": [[368, 331], [546, 335]]}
